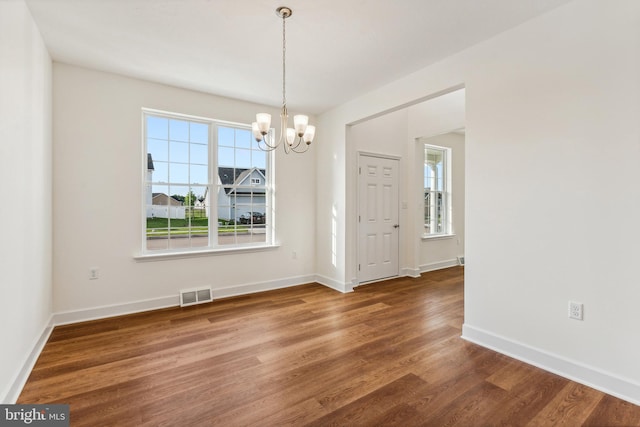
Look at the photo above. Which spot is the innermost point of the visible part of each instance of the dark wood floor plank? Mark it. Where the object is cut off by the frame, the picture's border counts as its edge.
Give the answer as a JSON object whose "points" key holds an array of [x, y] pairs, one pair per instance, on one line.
{"points": [[471, 407], [527, 398], [614, 412], [367, 409], [389, 353], [571, 406]]}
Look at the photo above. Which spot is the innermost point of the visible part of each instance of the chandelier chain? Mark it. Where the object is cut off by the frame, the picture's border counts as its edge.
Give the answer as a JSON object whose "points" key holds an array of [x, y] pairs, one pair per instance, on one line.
{"points": [[284, 54]]}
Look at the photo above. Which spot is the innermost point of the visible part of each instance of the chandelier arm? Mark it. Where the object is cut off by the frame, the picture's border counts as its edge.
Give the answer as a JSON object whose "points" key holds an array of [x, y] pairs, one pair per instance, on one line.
{"points": [[270, 146], [306, 147], [267, 144], [267, 147], [297, 144]]}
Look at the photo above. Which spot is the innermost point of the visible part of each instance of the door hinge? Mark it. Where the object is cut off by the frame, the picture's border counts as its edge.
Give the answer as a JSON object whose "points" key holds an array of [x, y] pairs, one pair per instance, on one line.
{"points": [[358, 267], [359, 171]]}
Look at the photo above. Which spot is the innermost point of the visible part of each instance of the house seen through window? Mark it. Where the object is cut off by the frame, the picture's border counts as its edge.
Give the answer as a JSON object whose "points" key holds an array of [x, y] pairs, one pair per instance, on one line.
{"points": [[437, 193], [206, 185]]}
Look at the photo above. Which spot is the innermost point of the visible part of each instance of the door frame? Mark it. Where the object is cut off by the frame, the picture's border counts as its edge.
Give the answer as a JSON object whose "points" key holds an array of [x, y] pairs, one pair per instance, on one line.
{"points": [[361, 154]]}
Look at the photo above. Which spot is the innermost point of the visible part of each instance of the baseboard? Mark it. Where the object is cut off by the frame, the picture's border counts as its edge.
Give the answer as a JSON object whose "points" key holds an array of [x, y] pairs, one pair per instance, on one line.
{"points": [[102, 312], [334, 284], [410, 272], [439, 265], [20, 379], [570, 369], [270, 285]]}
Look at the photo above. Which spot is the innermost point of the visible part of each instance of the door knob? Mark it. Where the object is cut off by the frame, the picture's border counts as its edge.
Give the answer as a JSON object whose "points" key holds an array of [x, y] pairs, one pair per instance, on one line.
{"points": [[396, 225]]}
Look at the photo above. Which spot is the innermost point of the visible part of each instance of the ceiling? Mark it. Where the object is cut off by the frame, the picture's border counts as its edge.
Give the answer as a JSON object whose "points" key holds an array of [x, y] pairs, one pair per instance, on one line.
{"points": [[336, 49]]}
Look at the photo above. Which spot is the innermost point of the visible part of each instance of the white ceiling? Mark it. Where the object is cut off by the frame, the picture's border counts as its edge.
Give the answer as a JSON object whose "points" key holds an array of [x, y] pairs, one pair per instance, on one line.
{"points": [[336, 49]]}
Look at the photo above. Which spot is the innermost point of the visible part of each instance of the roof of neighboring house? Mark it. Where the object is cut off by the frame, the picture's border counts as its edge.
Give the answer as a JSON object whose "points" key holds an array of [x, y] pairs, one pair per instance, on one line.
{"points": [[228, 175], [149, 162], [243, 176], [235, 176]]}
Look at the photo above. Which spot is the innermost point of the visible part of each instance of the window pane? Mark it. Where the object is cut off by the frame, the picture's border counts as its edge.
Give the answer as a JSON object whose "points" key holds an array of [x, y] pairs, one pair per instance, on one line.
{"points": [[160, 189], [259, 234], [160, 172], [178, 130], [179, 152], [179, 173], [259, 159], [199, 217], [243, 159], [225, 213], [157, 218], [199, 154], [199, 132], [254, 144], [157, 127], [199, 174], [226, 157], [243, 138], [158, 149], [226, 137], [178, 194]]}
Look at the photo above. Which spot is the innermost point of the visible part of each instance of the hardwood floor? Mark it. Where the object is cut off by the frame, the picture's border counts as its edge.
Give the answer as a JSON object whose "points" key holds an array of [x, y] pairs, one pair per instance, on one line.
{"points": [[387, 354]]}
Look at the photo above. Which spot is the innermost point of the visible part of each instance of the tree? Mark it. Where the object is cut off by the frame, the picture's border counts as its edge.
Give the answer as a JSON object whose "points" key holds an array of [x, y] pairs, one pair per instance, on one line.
{"points": [[190, 199]]}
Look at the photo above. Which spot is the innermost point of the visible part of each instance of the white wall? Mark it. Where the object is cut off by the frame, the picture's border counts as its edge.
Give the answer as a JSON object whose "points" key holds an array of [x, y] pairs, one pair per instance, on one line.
{"points": [[552, 111], [25, 173], [98, 200], [553, 129]]}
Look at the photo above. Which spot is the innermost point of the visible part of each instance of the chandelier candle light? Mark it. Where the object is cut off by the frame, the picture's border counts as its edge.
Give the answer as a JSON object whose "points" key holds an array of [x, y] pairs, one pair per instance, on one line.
{"points": [[296, 139]]}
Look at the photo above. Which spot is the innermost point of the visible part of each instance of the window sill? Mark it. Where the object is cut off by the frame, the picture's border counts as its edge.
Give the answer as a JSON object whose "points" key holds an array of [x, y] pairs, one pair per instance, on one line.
{"points": [[160, 256], [426, 237]]}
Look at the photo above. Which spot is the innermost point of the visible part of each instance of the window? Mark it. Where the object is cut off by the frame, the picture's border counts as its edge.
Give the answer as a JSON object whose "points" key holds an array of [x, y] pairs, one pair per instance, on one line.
{"points": [[206, 185], [437, 194]]}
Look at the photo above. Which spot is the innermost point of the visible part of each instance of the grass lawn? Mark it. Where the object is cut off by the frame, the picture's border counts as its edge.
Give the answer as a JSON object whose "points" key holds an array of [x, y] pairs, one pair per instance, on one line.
{"points": [[164, 222], [199, 226]]}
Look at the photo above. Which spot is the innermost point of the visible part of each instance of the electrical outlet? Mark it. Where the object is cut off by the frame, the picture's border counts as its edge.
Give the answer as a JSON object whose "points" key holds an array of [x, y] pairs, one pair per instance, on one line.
{"points": [[94, 273], [576, 310]]}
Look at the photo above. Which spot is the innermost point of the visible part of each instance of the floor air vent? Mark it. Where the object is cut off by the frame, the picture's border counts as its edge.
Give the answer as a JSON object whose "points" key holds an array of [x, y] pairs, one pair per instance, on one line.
{"points": [[195, 296]]}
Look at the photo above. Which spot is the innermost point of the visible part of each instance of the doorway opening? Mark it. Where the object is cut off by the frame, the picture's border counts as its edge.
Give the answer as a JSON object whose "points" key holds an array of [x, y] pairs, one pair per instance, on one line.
{"points": [[402, 134]]}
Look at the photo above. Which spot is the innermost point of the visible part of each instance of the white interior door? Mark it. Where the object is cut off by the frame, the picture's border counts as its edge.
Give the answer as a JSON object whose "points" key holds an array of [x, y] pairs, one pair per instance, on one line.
{"points": [[378, 239]]}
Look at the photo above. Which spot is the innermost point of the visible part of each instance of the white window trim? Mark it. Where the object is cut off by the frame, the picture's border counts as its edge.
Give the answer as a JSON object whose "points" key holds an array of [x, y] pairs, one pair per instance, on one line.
{"points": [[442, 236], [149, 257], [154, 255]]}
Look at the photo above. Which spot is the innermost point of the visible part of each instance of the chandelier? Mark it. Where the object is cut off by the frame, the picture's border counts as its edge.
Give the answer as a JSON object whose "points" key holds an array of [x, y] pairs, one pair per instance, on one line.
{"points": [[296, 139]]}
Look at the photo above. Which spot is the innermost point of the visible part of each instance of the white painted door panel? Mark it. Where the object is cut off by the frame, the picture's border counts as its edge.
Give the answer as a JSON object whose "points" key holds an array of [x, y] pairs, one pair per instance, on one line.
{"points": [[378, 218]]}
